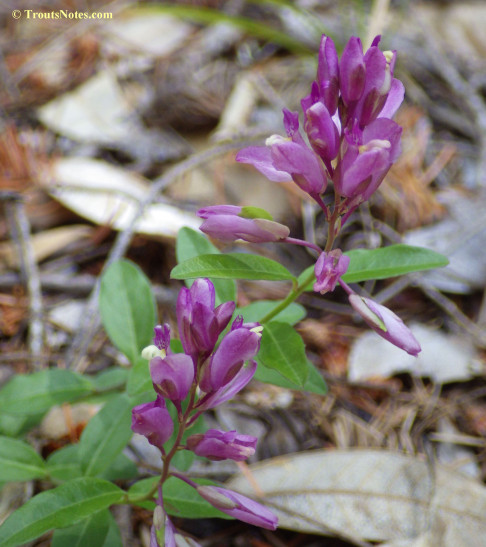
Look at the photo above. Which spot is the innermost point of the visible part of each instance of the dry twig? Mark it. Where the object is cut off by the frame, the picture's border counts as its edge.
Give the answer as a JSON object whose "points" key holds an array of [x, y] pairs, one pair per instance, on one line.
{"points": [[20, 231]]}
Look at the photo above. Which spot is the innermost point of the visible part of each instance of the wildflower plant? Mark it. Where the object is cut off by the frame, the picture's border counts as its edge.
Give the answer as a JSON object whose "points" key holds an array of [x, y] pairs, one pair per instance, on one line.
{"points": [[344, 139]]}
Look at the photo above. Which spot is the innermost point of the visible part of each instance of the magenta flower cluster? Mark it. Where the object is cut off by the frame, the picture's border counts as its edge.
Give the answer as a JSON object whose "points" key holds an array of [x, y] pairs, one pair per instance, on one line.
{"points": [[347, 121], [203, 377], [348, 140]]}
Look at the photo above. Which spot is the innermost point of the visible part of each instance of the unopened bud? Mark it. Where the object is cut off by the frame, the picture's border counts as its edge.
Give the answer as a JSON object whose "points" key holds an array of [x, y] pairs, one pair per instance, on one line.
{"points": [[216, 498], [159, 518], [360, 306]]}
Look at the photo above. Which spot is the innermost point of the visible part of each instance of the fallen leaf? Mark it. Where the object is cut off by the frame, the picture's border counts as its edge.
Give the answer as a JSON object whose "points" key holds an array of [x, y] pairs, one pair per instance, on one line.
{"points": [[444, 358], [154, 34], [369, 495], [462, 238], [109, 195], [45, 244], [96, 111]]}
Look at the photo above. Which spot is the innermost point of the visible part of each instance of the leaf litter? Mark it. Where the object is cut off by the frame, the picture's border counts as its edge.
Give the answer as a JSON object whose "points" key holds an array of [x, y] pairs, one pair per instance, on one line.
{"points": [[90, 133]]}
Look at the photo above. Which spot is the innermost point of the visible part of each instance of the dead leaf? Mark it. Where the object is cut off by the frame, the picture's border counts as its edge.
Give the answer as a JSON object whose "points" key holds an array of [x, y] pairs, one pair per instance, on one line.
{"points": [[45, 243], [444, 358], [462, 238], [153, 34], [369, 495], [109, 195]]}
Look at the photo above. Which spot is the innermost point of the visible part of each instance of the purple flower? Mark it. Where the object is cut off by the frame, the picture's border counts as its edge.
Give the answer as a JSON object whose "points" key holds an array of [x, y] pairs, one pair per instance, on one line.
{"points": [[328, 74], [352, 71], [321, 130], [367, 156], [170, 534], [172, 376], [368, 88], [328, 269], [239, 507], [238, 345], [153, 421], [228, 223], [200, 324], [220, 445], [229, 390], [161, 345], [287, 159], [162, 337], [385, 323]]}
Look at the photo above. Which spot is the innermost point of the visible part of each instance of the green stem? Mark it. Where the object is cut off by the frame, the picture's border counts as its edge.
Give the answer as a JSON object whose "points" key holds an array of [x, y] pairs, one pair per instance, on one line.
{"points": [[167, 459], [293, 295]]}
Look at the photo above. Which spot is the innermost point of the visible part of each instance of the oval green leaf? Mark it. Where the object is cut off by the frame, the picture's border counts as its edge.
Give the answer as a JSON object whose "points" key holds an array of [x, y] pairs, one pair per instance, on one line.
{"points": [[105, 436], [314, 384], [127, 307], [232, 266], [283, 349], [257, 310], [92, 531], [29, 394], [63, 464], [19, 461], [191, 243], [63, 506]]}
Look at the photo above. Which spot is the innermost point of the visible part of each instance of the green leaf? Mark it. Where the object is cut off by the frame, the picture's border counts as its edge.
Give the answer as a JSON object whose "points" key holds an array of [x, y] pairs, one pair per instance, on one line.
{"points": [[255, 212], [232, 266], [385, 262], [63, 464], [282, 349], [257, 310], [110, 379], [14, 425], [105, 436], [191, 243], [91, 531], [113, 538], [390, 261], [314, 384], [176, 346], [121, 468], [182, 500], [29, 394], [139, 379], [127, 308], [19, 461], [63, 506], [141, 489]]}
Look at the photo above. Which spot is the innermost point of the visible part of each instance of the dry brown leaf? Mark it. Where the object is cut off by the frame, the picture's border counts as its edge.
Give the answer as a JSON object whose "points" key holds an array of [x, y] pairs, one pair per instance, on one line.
{"points": [[109, 196], [370, 495], [44, 243]]}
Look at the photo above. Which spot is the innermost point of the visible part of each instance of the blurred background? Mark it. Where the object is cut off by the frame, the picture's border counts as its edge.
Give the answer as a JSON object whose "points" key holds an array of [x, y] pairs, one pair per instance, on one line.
{"points": [[108, 105]]}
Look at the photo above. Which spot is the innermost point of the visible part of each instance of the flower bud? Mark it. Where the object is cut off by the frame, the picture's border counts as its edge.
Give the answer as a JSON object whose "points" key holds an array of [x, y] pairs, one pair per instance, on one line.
{"points": [[220, 445], [200, 324], [385, 323], [352, 71], [328, 269], [230, 225], [239, 506]]}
